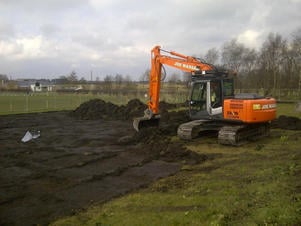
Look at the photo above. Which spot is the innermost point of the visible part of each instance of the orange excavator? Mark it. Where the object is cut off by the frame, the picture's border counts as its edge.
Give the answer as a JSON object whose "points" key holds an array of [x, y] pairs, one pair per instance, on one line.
{"points": [[213, 106]]}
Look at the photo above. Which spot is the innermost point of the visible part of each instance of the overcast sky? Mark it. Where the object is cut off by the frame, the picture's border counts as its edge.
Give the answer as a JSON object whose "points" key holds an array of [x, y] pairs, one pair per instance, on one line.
{"points": [[49, 38]]}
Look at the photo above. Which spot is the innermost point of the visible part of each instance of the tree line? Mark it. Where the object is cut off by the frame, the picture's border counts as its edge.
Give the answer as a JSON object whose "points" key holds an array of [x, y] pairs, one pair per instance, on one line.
{"points": [[276, 65]]}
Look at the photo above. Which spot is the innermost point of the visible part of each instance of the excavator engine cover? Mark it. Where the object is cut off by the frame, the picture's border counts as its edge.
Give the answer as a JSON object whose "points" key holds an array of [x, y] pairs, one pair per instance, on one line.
{"points": [[250, 110], [146, 122]]}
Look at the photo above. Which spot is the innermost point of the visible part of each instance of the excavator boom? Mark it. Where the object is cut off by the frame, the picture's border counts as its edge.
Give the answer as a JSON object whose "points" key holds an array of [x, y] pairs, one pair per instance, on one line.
{"points": [[173, 59]]}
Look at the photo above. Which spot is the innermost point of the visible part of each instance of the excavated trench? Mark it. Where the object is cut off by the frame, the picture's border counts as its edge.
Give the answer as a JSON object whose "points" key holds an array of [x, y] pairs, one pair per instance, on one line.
{"points": [[86, 156]]}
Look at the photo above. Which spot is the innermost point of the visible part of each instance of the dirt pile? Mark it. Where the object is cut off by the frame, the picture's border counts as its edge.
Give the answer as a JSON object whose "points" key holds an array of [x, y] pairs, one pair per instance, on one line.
{"points": [[156, 141], [287, 122], [158, 145], [170, 120], [99, 109]]}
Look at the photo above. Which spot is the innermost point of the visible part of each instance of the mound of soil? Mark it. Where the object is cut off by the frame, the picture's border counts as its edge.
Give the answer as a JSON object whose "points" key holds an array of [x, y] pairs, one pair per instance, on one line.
{"points": [[287, 122], [156, 141], [167, 106], [99, 109], [158, 145]]}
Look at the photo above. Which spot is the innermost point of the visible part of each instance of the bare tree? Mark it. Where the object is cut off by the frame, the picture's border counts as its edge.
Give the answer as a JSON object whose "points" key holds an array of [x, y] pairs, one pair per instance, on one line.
{"points": [[271, 59], [212, 56], [127, 79], [72, 77], [108, 83], [145, 76], [82, 80], [187, 78], [232, 54], [296, 52], [3, 79], [118, 80], [232, 57], [174, 78], [249, 60], [297, 41]]}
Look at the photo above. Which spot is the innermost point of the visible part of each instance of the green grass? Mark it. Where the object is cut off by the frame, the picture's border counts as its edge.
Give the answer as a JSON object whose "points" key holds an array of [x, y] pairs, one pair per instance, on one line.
{"points": [[16, 103], [288, 109], [23, 103], [256, 184]]}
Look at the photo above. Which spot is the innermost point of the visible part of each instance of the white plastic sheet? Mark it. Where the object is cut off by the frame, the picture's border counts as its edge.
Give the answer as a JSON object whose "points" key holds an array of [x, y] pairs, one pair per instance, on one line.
{"points": [[30, 135]]}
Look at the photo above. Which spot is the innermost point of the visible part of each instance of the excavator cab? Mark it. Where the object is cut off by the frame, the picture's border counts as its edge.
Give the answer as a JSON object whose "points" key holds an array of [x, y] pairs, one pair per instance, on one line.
{"points": [[207, 95]]}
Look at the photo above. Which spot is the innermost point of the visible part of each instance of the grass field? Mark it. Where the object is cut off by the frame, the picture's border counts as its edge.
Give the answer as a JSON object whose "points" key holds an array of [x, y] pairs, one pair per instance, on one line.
{"points": [[256, 184], [17, 103], [23, 103]]}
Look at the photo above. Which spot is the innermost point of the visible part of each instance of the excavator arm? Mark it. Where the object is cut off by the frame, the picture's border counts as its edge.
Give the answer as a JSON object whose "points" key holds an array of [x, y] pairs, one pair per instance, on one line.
{"points": [[173, 59]]}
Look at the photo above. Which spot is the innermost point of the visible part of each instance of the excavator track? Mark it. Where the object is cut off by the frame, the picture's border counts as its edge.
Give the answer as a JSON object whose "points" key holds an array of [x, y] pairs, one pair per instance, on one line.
{"points": [[228, 134], [191, 130], [237, 135]]}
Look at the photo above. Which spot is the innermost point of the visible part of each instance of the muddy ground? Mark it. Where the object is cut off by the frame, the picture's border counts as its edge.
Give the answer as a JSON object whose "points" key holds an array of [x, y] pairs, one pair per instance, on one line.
{"points": [[77, 162], [86, 156]]}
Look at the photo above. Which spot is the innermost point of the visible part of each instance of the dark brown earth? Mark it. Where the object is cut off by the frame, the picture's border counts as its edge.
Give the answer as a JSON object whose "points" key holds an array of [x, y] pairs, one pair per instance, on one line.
{"points": [[76, 162], [86, 156], [287, 122]]}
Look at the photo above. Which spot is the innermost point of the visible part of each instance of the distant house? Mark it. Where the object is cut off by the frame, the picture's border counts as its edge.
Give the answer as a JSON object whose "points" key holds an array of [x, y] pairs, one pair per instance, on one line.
{"points": [[41, 85]]}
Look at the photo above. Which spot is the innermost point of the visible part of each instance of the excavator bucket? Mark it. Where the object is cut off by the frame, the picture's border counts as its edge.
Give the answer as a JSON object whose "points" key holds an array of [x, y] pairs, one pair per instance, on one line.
{"points": [[146, 122]]}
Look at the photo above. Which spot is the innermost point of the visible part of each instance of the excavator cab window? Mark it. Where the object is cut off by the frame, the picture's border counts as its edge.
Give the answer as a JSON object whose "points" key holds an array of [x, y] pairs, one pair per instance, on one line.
{"points": [[215, 94], [198, 100], [207, 97], [228, 88], [198, 96]]}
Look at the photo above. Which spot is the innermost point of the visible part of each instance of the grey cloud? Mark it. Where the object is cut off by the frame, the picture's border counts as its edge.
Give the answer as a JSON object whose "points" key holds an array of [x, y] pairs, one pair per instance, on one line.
{"points": [[284, 17], [117, 36], [32, 5], [7, 31], [49, 30]]}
